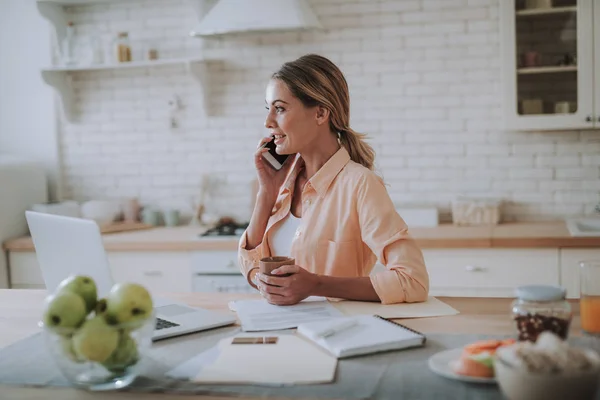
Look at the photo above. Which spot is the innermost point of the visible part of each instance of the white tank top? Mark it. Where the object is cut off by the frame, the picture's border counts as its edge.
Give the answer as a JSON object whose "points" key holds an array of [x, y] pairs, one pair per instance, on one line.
{"points": [[283, 235]]}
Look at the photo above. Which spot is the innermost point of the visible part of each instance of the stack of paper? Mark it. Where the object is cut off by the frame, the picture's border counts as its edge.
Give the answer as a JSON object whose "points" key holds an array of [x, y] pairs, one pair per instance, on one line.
{"points": [[259, 315]]}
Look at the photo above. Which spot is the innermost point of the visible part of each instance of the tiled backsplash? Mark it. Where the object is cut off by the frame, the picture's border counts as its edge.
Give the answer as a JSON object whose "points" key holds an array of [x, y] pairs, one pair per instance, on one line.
{"points": [[425, 85]]}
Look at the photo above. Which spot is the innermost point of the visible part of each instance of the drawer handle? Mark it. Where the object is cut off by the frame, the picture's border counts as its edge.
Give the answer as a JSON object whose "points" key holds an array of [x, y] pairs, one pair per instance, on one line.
{"points": [[152, 273], [472, 268]]}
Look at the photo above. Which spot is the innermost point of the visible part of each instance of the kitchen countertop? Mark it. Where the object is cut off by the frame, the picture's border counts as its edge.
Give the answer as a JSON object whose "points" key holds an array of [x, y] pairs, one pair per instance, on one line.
{"points": [[508, 235], [20, 310]]}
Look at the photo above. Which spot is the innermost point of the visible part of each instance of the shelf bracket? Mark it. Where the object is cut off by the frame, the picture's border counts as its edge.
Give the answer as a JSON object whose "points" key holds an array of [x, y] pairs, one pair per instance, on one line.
{"points": [[199, 71], [62, 83], [55, 14]]}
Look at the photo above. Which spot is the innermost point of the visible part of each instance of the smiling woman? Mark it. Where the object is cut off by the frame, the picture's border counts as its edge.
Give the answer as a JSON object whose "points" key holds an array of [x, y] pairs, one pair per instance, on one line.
{"points": [[325, 207]]}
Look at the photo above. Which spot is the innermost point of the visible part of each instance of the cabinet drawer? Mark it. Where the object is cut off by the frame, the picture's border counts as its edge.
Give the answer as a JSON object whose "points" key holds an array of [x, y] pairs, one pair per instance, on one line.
{"points": [[159, 272], [24, 270], [214, 262], [489, 272]]}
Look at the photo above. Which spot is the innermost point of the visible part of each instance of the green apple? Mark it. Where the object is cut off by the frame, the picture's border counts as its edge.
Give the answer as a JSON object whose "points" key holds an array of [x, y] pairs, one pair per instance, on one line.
{"points": [[125, 354], [64, 310], [128, 303], [83, 286], [95, 340]]}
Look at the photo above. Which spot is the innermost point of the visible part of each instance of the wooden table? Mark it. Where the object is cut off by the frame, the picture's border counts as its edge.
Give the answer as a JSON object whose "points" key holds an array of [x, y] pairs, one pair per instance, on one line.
{"points": [[20, 311]]}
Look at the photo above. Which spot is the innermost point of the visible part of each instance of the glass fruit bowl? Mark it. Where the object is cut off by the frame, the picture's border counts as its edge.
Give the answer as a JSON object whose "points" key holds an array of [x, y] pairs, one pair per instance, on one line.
{"points": [[98, 355]]}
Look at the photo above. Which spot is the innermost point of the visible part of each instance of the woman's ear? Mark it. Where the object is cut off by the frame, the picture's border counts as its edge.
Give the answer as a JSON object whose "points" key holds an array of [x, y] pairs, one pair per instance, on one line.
{"points": [[322, 115]]}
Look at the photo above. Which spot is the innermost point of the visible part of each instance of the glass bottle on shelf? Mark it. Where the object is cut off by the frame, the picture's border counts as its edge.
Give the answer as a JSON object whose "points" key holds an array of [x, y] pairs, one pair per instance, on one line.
{"points": [[68, 45], [122, 48]]}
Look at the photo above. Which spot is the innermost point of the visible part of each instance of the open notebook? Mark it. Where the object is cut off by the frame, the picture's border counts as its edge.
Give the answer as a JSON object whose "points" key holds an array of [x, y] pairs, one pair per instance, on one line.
{"points": [[352, 336]]}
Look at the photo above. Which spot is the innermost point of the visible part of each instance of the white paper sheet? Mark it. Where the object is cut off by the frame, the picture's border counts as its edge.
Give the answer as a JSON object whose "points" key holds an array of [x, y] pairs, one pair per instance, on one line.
{"points": [[291, 361], [431, 308], [259, 315]]}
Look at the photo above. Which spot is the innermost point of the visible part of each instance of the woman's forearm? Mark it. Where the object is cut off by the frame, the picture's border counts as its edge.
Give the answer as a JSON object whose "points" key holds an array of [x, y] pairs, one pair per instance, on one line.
{"points": [[346, 288], [258, 222]]}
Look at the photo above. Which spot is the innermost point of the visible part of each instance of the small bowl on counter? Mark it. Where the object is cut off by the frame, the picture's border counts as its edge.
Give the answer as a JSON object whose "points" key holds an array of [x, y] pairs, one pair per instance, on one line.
{"points": [[549, 369]]}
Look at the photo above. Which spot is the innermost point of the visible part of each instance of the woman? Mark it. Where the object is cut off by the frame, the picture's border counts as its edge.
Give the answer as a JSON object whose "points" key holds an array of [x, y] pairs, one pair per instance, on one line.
{"points": [[325, 207]]}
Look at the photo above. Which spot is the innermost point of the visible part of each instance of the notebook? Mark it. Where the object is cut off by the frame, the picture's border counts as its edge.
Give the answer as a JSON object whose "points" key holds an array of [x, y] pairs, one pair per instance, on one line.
{"points": [[352, 336]]}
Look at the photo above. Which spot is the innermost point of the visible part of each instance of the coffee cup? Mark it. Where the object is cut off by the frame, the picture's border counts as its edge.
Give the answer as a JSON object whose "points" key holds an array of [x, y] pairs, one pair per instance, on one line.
{"points": [[267, 264]]}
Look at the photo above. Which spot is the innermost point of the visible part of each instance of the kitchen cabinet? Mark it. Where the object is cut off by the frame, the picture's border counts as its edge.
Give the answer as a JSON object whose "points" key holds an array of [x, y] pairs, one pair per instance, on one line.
{"points": [[551, 64], [489, 272], [569, 264], [24, 270], [156, 271], [464, 272]]}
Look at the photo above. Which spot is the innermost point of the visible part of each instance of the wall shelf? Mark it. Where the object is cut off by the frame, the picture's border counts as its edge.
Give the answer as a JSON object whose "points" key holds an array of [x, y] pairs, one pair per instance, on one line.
{"points": [[547, 11], [546, 70], [60, 77]]}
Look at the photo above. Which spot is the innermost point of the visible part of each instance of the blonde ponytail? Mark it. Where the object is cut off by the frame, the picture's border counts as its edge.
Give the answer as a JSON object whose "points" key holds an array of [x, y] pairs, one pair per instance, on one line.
{"points": [[360, 151]]}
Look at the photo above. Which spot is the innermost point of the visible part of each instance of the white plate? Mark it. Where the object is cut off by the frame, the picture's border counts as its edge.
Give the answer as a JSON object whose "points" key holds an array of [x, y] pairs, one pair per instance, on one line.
{"points": [[440, 363]]}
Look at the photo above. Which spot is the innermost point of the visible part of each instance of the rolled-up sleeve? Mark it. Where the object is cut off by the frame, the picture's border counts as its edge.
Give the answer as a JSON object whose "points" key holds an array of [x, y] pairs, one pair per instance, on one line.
{"points": [[384, 231], [249, 259]]}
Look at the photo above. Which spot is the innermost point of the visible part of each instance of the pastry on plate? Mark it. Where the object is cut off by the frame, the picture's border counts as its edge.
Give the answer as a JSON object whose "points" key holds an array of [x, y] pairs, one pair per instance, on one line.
{"points": [[477, 358]]}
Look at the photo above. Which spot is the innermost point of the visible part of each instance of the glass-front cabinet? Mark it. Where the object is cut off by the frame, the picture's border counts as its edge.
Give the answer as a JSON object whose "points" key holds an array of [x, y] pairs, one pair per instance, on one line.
{"points": [[551, 56]]}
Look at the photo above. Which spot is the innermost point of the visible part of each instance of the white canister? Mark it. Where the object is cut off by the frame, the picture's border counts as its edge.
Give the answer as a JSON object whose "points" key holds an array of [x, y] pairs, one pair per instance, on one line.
{"points": [[562, 107]]}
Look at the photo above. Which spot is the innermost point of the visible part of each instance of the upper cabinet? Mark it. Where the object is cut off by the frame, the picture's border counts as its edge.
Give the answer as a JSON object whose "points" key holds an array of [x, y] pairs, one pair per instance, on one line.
{"points": [[551, 57]]}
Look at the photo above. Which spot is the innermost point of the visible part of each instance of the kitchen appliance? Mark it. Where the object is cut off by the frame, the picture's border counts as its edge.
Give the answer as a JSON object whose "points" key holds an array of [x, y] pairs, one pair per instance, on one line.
{"points": [[218, 272], [226, 227], [234, 16], [23, 183]]}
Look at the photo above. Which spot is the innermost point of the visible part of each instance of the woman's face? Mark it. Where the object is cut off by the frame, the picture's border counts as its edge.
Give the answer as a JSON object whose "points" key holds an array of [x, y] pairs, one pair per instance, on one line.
{"points": [[294, 126]]}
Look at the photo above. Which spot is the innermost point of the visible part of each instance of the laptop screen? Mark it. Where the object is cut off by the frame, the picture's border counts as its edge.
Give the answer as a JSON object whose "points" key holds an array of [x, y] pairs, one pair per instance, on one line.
{"points": [[69, 246]]}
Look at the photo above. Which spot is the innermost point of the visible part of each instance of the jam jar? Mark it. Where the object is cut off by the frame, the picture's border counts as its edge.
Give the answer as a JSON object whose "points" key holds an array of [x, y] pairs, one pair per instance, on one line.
{"points": [[539, 308]]}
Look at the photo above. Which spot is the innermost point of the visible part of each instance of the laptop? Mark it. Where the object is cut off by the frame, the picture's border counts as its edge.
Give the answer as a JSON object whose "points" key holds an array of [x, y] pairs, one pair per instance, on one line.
{"points": [[67, 245]]}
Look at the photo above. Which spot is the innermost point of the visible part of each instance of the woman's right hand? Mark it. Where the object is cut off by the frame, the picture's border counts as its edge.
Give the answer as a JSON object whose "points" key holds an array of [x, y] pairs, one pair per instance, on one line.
{"points": [[270, 179]]}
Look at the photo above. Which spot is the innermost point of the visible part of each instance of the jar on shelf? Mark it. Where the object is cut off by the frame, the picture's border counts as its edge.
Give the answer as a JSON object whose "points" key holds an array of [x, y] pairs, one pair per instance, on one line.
{"points": [[122, 48], [540, 308]]}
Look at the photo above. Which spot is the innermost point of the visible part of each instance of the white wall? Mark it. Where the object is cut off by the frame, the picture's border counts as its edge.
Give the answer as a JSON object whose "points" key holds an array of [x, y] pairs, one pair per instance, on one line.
{"points": [[425, 84], [27, 118]]}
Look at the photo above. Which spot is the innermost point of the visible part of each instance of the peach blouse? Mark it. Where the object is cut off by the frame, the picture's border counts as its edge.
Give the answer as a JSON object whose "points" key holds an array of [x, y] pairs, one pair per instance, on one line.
{"points": [[348, 223]]}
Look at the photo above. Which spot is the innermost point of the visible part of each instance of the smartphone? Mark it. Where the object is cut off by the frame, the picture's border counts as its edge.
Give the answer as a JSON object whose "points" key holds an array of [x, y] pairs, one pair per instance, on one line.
{"points": [[274, 159]]}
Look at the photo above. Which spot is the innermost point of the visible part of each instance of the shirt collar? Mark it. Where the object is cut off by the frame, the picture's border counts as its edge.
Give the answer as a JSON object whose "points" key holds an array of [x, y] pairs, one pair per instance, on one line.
{"points": [[327, 173]]}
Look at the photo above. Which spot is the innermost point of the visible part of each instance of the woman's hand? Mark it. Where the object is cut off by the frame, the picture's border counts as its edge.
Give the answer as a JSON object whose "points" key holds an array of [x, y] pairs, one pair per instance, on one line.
{"points": [[269, 179], [287, 290]]}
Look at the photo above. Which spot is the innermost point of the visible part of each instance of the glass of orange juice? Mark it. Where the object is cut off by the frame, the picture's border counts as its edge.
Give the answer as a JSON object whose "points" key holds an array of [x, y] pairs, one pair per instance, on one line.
{"points": [[589, 301]]}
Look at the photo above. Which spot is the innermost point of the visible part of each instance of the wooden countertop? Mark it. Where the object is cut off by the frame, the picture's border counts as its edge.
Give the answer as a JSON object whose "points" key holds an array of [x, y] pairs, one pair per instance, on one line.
{"points": [[20, 310], [509, 235]]}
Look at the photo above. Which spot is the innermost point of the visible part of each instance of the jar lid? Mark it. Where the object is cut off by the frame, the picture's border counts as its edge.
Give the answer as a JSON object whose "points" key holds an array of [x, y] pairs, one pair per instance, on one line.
{"points": [[540, 293]]}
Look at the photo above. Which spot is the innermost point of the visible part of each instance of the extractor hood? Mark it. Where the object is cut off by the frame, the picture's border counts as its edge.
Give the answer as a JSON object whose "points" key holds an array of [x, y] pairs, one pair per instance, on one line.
{"points": [[235, 16]]}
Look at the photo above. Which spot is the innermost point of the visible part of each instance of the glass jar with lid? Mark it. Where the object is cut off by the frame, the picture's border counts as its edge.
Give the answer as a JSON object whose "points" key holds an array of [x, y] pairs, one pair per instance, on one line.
{"points": [[122, 48], [539, 308]]}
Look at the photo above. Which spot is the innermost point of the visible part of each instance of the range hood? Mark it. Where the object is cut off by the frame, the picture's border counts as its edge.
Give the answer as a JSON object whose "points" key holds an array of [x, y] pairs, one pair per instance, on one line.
{"points": [[236, 16]]}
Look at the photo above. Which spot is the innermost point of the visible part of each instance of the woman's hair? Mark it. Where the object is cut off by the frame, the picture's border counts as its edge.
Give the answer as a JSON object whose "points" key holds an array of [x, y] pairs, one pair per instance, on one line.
{"points": [[315, 81]]}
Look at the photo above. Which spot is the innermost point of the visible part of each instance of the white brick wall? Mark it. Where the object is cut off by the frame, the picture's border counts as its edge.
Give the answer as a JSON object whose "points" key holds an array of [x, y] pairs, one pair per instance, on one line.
{"points": [[424, 79]]}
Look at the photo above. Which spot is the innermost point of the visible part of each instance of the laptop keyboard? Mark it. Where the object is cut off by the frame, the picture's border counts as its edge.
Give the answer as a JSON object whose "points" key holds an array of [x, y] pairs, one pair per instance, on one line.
{"points": [[163, 324]]}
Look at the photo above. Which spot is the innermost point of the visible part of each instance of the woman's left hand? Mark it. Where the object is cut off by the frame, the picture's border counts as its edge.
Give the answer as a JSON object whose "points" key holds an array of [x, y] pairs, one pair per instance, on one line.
{"points": [[287, 290]]}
